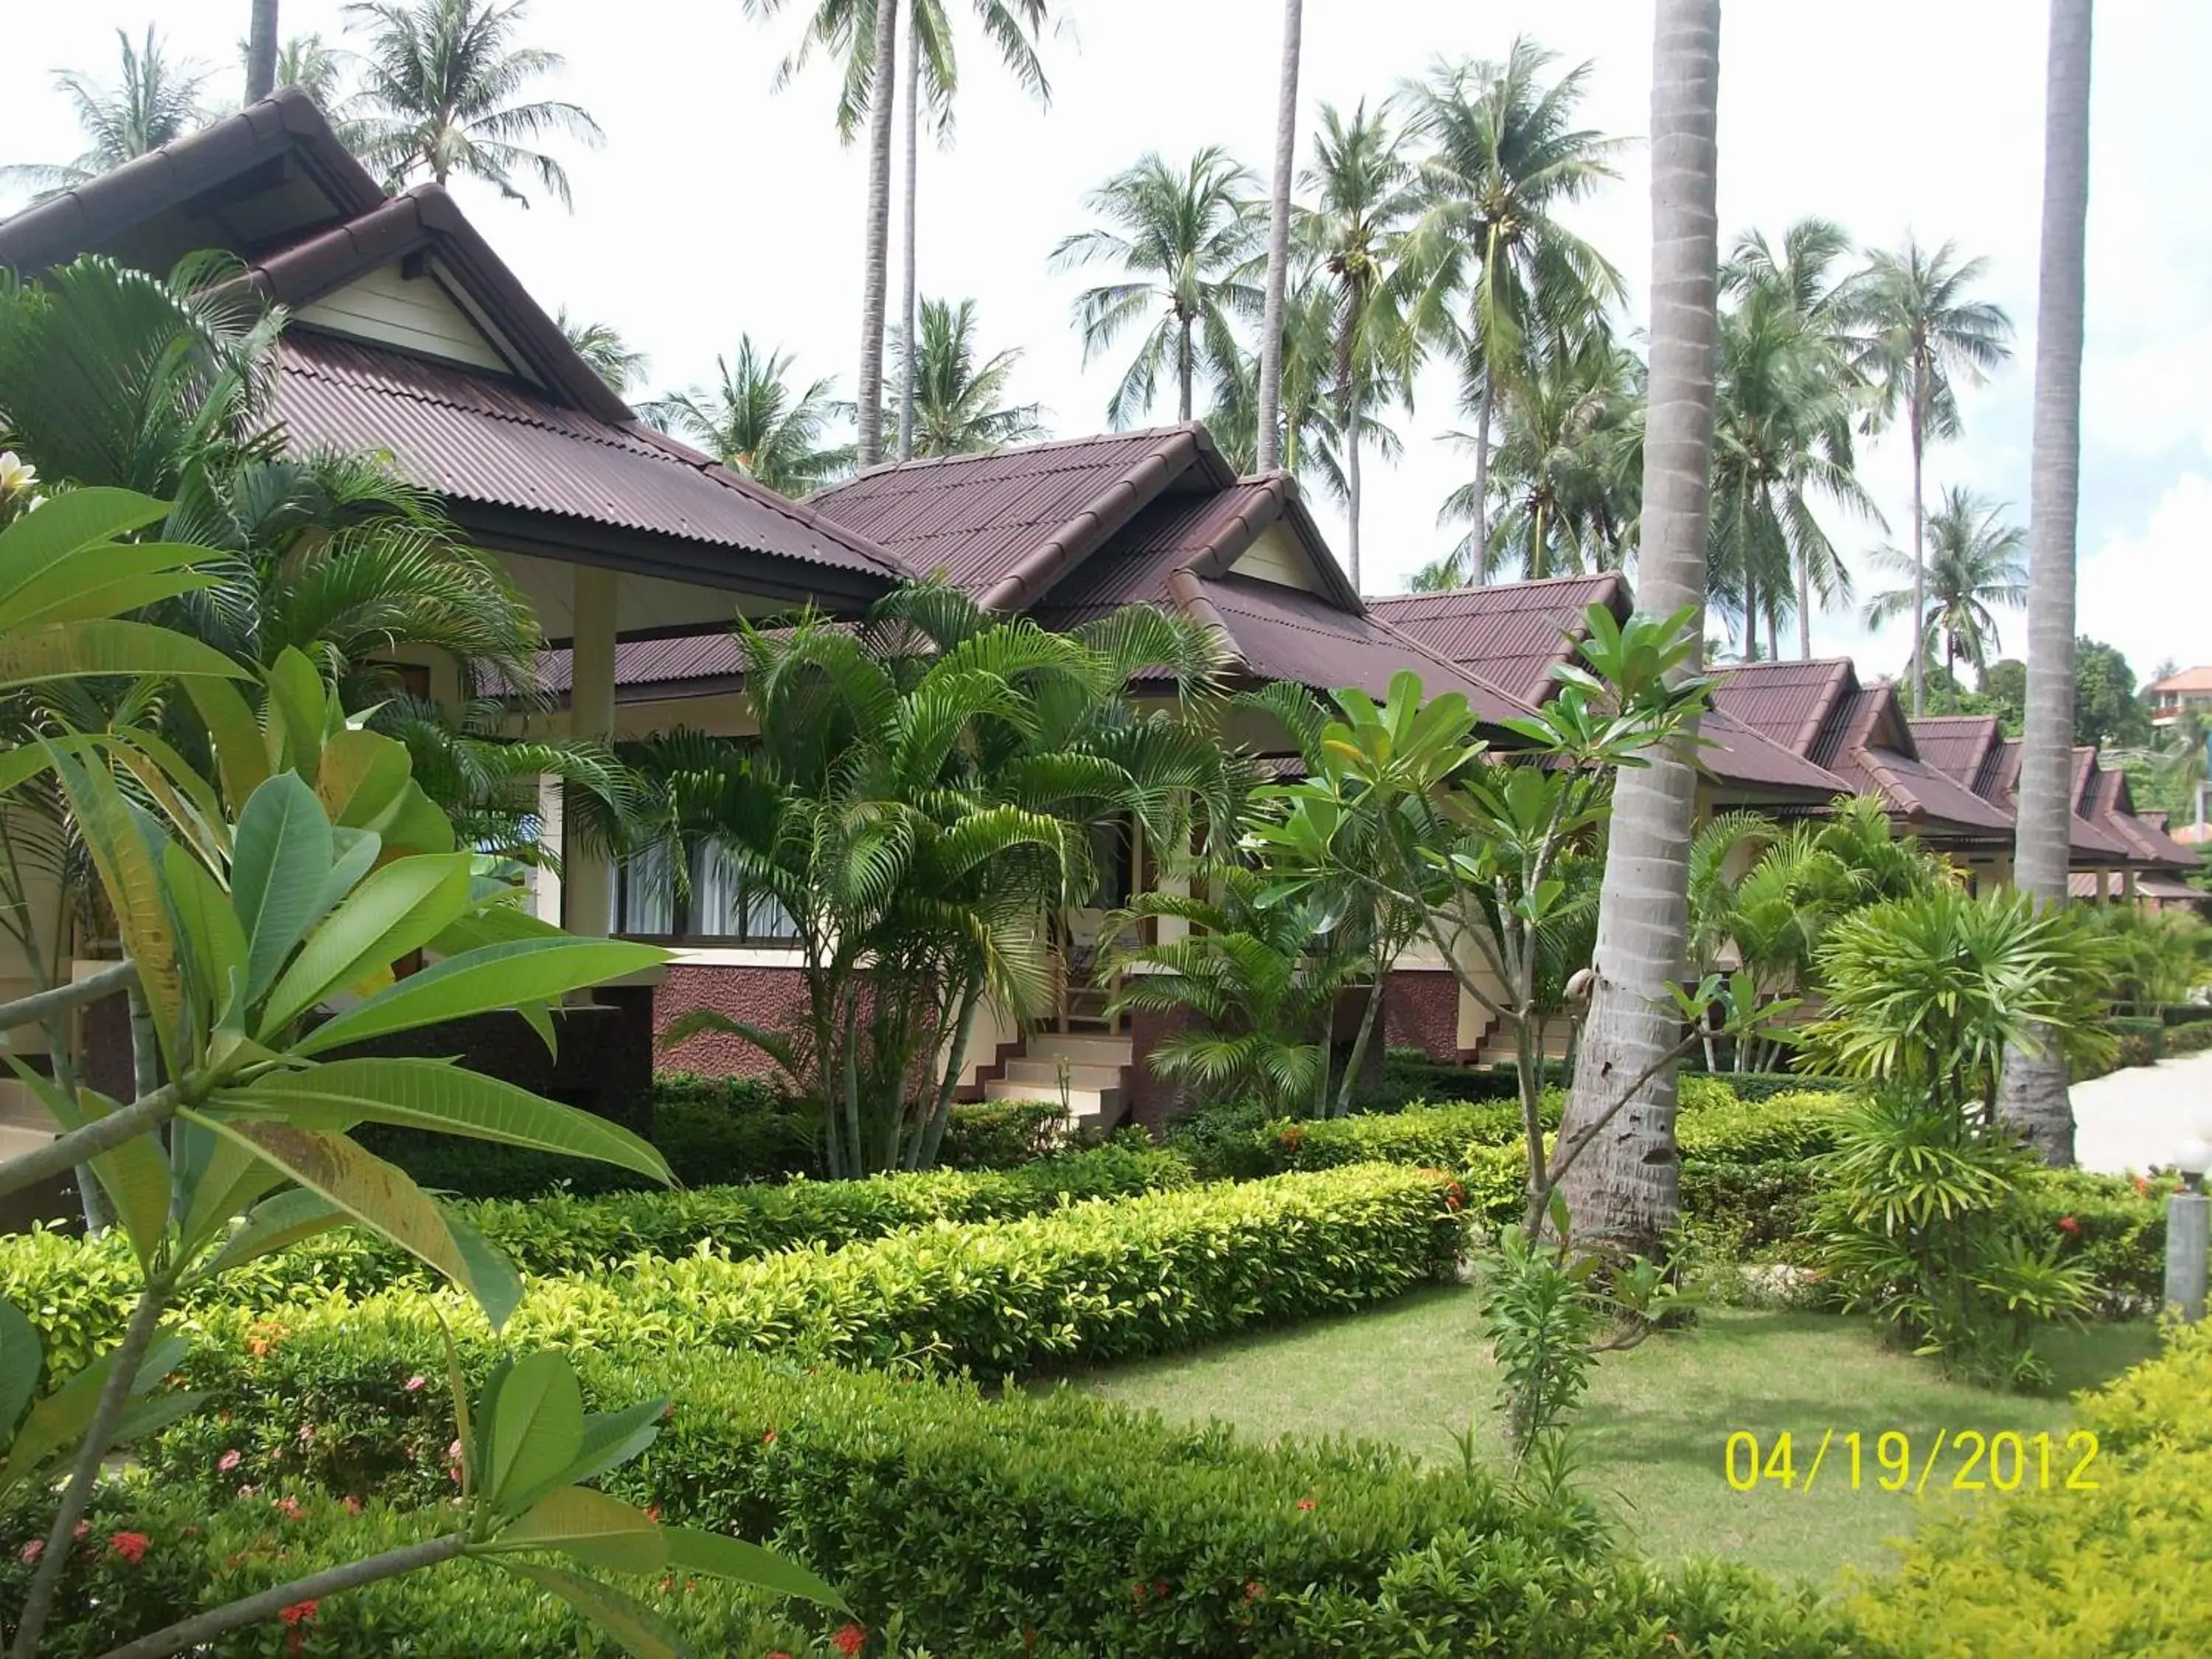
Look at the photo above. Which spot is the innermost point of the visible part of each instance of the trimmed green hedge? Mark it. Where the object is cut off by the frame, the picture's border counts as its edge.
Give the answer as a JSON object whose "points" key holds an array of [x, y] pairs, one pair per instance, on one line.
{"points": [[2191, 1039], [2117, 1569], [79, 1294], [1050, 1524]]}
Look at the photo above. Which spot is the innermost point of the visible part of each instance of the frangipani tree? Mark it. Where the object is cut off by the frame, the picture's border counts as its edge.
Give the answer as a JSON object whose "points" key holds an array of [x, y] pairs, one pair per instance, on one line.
{"points": [[1409, 803], [265, 912]]}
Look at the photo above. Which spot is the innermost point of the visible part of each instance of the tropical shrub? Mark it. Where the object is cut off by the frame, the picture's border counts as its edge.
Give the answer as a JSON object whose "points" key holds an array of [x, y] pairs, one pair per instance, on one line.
{"points": [[2193, 1038], [1002, 1134], [1058, 1523], [2114, 1567], [2134, 1042], [1922, 1221]]}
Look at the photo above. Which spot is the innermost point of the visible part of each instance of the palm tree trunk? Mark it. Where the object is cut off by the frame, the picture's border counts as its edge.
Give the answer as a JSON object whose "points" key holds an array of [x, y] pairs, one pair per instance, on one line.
{"points": [[1750, 611], [907, 345], [1481, 534], [1919, 558], [1348, 411], [261, 51], [1183, 368], [1279, 243], [1625, 1188], [876, 277], [1773, 630], [2034, 1099], [1804, 613]]}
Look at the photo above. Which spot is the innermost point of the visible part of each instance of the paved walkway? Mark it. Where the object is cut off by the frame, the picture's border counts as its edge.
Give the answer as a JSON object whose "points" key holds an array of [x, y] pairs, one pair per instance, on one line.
{"points": [[2133, 1118]]}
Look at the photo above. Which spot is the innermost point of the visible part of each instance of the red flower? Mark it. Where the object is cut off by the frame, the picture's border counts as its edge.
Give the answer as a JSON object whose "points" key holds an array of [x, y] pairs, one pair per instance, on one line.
{"points": [[778, 1654], [226, 1462], [2067, 1225], [131, 1546], [352, 1504], [35, 1549], [1160, 1590], [82, 1527], [1305, 1503], [850, 1639], [1254, 1590], [1137, 1590], [415, 1384], [653, 1512], [299, 1612], [769, 1438]]}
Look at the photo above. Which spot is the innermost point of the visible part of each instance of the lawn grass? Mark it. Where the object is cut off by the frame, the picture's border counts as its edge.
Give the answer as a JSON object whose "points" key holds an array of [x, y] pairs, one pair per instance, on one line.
{"points": [[1657, 1425]]}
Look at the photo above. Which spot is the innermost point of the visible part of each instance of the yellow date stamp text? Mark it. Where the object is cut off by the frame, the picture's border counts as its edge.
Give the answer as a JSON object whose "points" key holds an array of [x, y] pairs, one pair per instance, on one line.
{"points": [[1895, 1462]]}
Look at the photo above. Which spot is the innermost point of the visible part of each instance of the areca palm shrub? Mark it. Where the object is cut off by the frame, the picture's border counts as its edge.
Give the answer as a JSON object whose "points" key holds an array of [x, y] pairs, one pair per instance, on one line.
{"points": [[919, 807], [1923, 1217]]}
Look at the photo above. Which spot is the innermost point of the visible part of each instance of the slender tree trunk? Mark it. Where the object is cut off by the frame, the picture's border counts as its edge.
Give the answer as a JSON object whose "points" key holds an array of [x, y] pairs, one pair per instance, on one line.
{"points": [[1348, 411], [1804, 613], [1773, 631], [1182, 369], [261, 51], [2034, 1098], [876, 277], [1625, 1188], [1919, 556], [907, 337], [1481, 530], [1359, 1041], [1279, 243]]}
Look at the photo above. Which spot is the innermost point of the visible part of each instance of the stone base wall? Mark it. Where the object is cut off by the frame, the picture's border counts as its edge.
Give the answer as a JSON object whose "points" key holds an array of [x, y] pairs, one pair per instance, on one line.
{"points": [[767, 997]]}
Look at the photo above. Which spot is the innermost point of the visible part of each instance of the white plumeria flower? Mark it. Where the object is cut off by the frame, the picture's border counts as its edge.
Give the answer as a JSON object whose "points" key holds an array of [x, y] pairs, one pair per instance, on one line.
{"points": [[16, 474]]}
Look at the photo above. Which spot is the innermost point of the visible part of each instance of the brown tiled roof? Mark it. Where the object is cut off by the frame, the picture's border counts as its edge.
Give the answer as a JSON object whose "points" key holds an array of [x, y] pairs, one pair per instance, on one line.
{"points": [[1999, 785], [287, 125], [478, 437], [1006, 526], [1281, 633], [1787, 702], [1204, 532], [1736, 756], [2189, 679], [2114, 813], [1513, 632], [1930, 800], [1957, 744]]}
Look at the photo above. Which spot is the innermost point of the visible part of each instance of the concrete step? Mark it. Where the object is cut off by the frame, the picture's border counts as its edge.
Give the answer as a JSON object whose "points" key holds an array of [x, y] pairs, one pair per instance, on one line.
{"points": [[1084, 1106], [1080, 1048], [1047, 1073]]}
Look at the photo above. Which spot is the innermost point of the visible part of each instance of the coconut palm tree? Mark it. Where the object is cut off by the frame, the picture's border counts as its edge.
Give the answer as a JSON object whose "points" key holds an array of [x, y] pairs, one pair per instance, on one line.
{"points": [[261, 50], [753, 420], [1564, 445], [1279, 242], [1925, 333], [1798, 280], [1495, 278], [845, 31], [1626, 1189], [612, 358], [156, 102], [310, 64], [2034, 1098], [1362, 199], [1186, 239], [1782, 443], [440, 97], [960, 403], [1975, 562], [1312, 447]]}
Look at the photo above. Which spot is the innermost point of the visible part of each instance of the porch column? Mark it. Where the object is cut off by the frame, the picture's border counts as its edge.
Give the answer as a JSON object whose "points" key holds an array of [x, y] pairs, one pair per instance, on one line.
{"points": [[588, 877], [2103, 886], [2127, 885]]}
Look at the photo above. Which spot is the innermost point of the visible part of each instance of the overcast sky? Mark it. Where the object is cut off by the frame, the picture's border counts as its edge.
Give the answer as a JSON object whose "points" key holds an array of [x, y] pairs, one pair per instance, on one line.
{"points": [[720, 207]]}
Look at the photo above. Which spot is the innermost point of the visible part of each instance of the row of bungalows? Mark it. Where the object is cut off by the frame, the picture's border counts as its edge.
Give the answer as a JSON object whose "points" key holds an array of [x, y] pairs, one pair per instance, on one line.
{"points": [[408, 337]]}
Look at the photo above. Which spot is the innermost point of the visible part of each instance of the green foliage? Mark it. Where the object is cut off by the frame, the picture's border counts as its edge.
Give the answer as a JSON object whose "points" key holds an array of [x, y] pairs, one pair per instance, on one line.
{"points": [[2106, 710], [1922, 1221], [1927, 992], [1541, 1311], [1001, 1134], [923, 792], [2116, 1568], [198, 1554], [1056, 1523], [77, 1294], [2130, 1042]]}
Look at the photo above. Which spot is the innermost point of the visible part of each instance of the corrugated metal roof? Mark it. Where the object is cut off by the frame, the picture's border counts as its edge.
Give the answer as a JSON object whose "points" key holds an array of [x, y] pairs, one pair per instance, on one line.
{"points": [[1930, 800], [1787, 702], [975, 517], [1957, 745], [1853, 721], [1169, 534], [478, 437], [1736, 756], [1511, 633], [1285, 634]]}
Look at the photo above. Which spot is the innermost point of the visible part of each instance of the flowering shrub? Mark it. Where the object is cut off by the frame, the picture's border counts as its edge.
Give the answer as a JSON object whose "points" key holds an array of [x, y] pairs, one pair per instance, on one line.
{"points": [[187, 1555]]}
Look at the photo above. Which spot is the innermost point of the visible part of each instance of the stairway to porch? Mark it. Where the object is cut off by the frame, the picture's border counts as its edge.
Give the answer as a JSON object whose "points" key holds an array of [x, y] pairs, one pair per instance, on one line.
{"points": [[1089, 1070]]}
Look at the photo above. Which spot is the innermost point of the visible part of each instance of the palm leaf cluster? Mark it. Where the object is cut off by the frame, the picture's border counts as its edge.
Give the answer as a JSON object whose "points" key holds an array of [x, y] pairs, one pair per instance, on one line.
{"points": [[156, 99], [919, 805], [754, 420], [1975, 565]]}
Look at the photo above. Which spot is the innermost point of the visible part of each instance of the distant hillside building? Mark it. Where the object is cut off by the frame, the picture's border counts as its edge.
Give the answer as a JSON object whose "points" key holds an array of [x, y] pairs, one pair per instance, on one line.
{"points": [[2177, 694]]}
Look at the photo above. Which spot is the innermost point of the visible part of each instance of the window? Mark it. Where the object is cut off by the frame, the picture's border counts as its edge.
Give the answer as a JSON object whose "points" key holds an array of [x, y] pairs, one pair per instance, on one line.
{"points": [[720, 906], [1114, 856]]}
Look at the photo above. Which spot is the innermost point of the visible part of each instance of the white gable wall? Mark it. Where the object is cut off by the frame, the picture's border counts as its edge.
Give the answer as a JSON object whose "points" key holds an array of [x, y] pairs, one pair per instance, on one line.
{"points": [[415, 314], [1278, 556]]}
